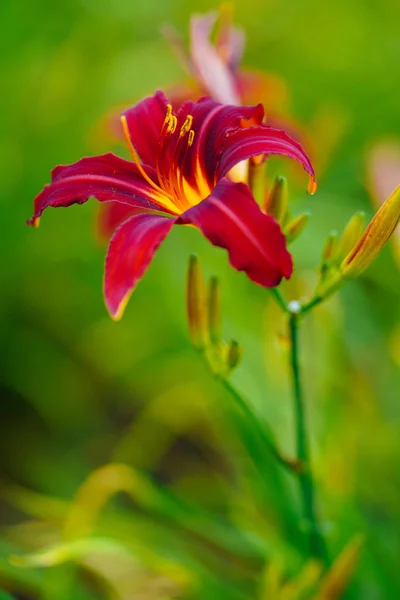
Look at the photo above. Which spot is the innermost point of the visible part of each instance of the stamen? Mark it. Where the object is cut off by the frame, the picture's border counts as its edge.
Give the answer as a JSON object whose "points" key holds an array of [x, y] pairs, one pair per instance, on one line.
{"points": [[169, 126], [160, 156], [167, 121], [172, 124], [136, 159], [187, 125], [168, 115], [172, 179], [179, 176]]}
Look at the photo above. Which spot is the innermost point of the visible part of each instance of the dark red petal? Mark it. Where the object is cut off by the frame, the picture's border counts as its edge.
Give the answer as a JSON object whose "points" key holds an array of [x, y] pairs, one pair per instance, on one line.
{"points": [[212, 124], [231, 218], [253, 141], [110, 215], [105, 177], [145, 121], [130, 252]]}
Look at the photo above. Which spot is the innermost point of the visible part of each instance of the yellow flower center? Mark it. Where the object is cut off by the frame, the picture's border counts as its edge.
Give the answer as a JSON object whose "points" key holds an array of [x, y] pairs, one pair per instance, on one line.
{"points": [[173, 192]]}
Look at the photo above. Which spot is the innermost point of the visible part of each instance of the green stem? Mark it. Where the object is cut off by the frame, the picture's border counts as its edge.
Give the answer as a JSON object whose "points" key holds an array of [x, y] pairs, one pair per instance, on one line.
{"points": [[309, 305], [316, 540], [289, 464], [280, 299]]}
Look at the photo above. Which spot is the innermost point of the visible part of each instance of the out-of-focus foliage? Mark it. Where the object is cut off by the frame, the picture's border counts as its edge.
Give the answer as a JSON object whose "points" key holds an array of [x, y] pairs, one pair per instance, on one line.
{"points": [[182, 510]]}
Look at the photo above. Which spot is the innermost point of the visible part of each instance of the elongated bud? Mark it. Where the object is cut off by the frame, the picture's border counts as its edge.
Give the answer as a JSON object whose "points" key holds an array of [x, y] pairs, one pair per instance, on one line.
{"points": [[214, 310], [196, 303], [327, 255], [350, 235], [330, 247], [277, 201], [256, 181], [374, 237], [234, 355], [294, 228]]}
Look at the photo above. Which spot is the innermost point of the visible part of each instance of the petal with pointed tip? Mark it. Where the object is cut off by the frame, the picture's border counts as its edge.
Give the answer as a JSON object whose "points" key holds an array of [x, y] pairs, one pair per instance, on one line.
{"points": [[254, 141], [111, 215], [231, 218], [145, 121], [130, 252], [213, 125], [105, 177]]}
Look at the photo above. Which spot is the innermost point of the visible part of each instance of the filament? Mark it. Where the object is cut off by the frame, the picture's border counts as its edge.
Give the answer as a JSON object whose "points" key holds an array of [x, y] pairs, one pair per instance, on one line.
{"points": [[136, 159]]}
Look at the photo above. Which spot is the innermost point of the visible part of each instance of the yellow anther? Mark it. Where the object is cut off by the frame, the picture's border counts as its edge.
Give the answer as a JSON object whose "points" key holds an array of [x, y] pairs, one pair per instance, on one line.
{"points": [[172, 124], [191, 137], [168, 115], [136, 160], [187, 125]]}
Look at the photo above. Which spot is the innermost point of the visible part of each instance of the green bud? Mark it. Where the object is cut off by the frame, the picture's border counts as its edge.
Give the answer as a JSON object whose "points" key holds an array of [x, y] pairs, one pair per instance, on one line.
{"points": [[330, 247], [256, 180], [327, 254], [351, 234], [234, 355], [277, 201], [294, 228], [214, 310], [374, 237], [196, 303]]}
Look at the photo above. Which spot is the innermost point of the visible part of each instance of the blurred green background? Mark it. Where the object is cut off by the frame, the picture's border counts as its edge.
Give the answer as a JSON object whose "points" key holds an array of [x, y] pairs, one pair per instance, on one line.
{"points": [[79, 391]]}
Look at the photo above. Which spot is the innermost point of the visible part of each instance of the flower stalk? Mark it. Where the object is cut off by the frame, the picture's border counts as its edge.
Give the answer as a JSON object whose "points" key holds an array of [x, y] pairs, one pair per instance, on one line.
{"points": [[316, 540], [264, 435]]}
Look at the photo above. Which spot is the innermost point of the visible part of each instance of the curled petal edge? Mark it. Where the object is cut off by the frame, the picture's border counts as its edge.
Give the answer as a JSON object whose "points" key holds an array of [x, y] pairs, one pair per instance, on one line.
{"points": [[231, 219], [130, 253]]}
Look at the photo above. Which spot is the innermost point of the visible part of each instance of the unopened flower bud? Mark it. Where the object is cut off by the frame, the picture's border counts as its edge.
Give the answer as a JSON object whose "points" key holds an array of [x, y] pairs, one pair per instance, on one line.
{"points": [[327, 255], [234, 355], [350, 235], [214, 310], [294, 228], [196, 304], [277, 201], [330, 247], [374, 237], [256, 182]]}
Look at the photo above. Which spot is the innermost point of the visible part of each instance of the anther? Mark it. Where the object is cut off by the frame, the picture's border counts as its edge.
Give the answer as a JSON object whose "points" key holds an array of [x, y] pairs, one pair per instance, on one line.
{"points": [[168, 115], [191, 137], [187, 125], [136, 159], [172, 124]]}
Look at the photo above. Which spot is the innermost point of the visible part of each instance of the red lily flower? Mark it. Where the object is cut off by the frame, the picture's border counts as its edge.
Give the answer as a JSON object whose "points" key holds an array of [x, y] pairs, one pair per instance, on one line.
{"points": [[181, 180]]}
